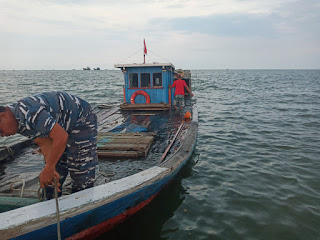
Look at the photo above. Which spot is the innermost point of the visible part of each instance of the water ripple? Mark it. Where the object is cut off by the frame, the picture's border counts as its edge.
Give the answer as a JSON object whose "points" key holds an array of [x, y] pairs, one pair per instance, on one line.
{"points": [[257, 174]]}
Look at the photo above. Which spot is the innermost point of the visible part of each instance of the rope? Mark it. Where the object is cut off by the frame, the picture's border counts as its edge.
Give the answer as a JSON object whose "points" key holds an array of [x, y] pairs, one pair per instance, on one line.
{"points": [[141, 50], [107, 174], [42, 198], [57, 208], [22, 188], [131, 55], [42, 195], [158, 56], [10, 151]]}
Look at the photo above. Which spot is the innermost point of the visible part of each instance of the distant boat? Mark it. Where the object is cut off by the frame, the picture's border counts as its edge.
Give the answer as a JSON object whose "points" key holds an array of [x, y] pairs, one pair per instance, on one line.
{"points": [[96, 68], [87, 68]]}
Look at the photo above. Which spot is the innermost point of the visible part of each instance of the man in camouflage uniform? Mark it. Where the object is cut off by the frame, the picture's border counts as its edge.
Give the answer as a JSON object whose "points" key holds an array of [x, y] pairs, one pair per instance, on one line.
{"points": [[65, 128]]}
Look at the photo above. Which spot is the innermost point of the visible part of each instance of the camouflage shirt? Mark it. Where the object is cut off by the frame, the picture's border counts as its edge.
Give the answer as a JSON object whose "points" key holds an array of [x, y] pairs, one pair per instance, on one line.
{"points": [[38, 114]]}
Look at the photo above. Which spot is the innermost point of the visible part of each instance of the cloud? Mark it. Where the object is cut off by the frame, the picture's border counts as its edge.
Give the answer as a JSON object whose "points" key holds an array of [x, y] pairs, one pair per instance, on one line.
{"points": [[24, 16], [221, 25], [187, 32], [58, 17]]}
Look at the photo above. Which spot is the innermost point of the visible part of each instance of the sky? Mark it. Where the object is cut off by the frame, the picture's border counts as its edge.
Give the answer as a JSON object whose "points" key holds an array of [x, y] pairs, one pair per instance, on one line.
{"points": [[191, 34]]}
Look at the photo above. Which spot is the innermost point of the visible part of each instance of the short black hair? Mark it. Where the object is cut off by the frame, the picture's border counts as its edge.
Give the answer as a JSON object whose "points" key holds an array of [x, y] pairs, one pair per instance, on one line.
{"points": [[3, 109]]}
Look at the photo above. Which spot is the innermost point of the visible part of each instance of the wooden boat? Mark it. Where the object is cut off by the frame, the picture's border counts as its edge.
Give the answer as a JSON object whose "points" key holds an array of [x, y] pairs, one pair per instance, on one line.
{"points": [[142, 146]]}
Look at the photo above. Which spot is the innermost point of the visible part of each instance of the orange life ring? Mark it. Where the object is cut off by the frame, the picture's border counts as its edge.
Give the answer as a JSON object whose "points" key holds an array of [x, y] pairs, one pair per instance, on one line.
{"points": [[140, 92]]}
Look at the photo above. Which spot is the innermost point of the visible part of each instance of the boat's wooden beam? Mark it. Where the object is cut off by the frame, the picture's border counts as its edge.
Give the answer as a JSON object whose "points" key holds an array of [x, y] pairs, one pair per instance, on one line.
{"points": [[144, 140], [143, 114], [139, 134], [145, 106], [124, 147], [146, 109], [120, 138], [111, 154]]}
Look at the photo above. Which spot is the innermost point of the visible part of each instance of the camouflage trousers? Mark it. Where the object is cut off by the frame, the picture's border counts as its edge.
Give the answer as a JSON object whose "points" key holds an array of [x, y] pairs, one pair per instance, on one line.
{"points": [[178, 100], [80, 157]]}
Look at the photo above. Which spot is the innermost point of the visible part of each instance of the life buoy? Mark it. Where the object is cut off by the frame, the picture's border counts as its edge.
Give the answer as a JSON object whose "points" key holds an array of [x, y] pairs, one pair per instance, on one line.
{"points": [[140, 92]]}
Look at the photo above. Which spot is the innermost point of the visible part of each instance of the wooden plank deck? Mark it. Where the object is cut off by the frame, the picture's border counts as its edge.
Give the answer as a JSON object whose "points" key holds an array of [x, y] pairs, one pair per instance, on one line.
{"points": [[130, 144], [146, 106]]}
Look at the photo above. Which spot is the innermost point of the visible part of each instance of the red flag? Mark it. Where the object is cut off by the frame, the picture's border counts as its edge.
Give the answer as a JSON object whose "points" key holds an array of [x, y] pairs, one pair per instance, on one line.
{"points": [[145, 52]]}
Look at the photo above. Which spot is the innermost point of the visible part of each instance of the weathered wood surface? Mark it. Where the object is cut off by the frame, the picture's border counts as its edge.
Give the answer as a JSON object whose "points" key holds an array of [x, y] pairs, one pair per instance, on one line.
{"points": [[124, 144], [134, 140], [132, 134], [112, 154], [124, 147], [145, 106], [171, 142], [105, 114]]}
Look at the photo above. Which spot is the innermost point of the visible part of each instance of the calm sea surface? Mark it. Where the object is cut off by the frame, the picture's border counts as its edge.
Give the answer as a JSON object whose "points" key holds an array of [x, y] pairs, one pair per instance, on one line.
{"points": [[255, 172]]}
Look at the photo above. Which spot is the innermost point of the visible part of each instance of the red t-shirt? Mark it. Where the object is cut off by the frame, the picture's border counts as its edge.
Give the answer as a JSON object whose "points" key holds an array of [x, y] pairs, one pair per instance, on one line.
{"points": [[179, 85]]}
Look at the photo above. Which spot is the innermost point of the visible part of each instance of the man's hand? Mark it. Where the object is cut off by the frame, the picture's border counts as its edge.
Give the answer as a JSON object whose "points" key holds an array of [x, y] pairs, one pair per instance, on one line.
{"points": [[191, 94], [47, 176]]}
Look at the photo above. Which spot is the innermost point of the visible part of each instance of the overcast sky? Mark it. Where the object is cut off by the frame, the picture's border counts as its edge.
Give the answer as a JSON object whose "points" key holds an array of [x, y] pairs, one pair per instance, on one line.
{"points": [[195, 34]]}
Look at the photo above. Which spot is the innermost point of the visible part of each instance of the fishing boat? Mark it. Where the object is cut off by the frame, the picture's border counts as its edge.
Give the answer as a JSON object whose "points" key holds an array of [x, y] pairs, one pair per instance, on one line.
{"points": [[142, 145]]}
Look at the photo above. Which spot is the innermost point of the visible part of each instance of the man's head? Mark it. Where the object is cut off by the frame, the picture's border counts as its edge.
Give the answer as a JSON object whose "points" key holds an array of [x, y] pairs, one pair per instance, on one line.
{"points": [[178, 76], [8, 123]]}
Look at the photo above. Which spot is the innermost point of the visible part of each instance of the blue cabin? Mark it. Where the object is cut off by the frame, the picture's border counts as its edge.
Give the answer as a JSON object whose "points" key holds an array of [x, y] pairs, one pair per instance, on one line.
{"points": [[147, 83]]}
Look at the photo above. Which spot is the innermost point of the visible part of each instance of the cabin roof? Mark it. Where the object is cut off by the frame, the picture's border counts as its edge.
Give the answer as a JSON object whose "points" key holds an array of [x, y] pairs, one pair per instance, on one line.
{"points": [[154, 64]]}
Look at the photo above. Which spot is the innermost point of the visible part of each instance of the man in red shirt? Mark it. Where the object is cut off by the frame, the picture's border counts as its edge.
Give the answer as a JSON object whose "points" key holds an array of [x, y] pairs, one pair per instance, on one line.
{"points": [[179, 84]]}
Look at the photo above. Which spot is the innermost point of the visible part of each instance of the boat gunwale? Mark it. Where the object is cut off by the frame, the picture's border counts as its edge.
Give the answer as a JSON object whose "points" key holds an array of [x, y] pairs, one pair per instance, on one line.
{"points": [[88, 204]]}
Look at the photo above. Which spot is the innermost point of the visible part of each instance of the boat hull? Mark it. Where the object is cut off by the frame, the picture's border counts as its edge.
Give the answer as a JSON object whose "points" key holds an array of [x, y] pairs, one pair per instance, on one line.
{"points": [[89, 213]]}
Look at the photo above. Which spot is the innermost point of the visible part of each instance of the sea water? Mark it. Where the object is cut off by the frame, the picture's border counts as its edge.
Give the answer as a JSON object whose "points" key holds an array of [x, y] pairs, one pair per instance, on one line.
{"points": [[255, 171]]}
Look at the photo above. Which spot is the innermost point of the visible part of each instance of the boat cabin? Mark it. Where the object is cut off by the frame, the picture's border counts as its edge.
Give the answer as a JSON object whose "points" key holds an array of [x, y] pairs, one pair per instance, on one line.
{"points": [[147, 85]]}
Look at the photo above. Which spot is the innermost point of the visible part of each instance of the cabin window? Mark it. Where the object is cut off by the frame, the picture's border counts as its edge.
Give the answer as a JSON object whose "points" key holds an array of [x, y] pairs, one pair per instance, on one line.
{"points": [[157, 79], [145, 79], [133, 80]]}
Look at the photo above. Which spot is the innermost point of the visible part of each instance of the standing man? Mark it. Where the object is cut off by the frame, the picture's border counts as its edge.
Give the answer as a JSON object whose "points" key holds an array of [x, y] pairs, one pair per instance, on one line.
{"points": [[65, 128], [179, 84]]}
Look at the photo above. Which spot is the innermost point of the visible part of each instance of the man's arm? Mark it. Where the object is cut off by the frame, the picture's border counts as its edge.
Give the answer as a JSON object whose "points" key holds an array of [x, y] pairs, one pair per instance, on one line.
{"points": [[59, 139], [189, 91]]}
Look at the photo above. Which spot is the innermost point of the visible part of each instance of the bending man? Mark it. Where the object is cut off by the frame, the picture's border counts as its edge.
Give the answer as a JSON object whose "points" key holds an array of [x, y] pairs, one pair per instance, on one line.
{"points": [[65, 128]]}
